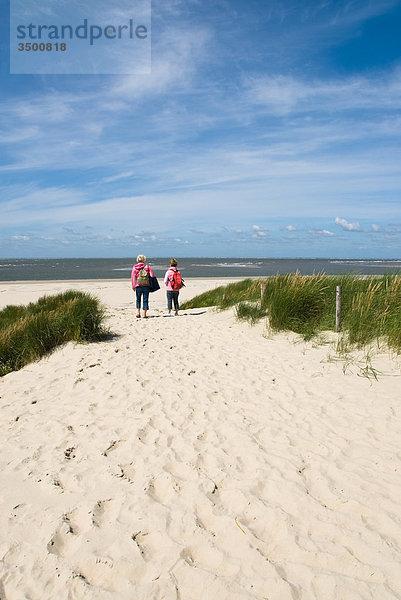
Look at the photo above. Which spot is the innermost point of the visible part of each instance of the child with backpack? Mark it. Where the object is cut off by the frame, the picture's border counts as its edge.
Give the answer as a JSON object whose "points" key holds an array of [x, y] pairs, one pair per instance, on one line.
{"points": [[140, 280], [174, 282]]}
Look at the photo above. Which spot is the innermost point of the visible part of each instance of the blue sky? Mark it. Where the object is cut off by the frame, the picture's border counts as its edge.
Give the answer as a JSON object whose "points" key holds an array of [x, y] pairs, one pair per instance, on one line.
{"points": [[264, 129]]}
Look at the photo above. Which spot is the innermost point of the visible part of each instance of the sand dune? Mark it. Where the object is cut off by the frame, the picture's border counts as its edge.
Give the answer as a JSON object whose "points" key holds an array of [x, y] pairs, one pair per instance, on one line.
{"points": [[195, 458]]}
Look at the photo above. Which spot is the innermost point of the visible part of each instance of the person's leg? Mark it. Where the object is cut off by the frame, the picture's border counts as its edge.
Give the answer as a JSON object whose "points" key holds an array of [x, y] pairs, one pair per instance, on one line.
{"points": [[145, 300], [176, 305], [138, 293], [169, 301]]}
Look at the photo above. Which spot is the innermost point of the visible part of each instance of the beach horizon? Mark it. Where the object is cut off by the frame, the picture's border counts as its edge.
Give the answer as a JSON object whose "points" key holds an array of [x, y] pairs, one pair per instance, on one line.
{"points": [[50, 269]]}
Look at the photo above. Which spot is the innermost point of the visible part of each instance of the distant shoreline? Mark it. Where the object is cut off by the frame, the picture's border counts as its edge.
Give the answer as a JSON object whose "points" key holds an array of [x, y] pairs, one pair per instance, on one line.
{"points": [[119, 269]]}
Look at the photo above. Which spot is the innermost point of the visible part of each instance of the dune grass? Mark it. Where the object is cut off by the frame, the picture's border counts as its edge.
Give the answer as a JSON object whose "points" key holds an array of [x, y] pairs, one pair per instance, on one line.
{"points": [[226, 295], [371, 306], [29, 332]]}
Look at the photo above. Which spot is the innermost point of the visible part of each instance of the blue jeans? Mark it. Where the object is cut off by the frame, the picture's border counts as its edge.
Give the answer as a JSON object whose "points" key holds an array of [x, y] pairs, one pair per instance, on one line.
{"points": [[142, 290], [172, 296]]}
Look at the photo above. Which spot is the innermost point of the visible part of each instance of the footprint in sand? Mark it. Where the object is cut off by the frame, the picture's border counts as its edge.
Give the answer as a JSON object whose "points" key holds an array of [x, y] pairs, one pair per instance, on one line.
{"points": [[181, 471], [163, 488], [114, 575], [112, 446], [128, 472], [64, 542], [105, 512], [206, 556], [152, 544], [79, 519]]}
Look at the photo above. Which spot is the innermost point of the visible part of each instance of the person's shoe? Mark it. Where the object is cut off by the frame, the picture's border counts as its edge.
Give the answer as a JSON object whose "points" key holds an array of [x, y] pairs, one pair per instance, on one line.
{"points": [[138, 316]]}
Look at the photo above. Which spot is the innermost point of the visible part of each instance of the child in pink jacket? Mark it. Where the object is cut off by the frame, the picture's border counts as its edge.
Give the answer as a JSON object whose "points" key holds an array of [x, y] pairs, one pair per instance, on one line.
{"points": [[172, 295]]}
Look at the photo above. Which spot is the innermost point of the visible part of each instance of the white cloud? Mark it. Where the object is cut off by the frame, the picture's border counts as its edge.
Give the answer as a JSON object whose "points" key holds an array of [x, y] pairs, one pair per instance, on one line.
{"points": [[348, 226], [194, 147], [259, 232]]}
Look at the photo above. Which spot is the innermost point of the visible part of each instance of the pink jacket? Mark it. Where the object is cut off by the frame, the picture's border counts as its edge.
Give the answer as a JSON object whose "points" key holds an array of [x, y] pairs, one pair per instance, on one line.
{"points": [[135, 272], [168, 277]]}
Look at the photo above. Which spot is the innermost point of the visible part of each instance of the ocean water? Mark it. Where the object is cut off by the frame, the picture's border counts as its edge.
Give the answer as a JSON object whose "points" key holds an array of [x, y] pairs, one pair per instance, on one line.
{"points": [[37, 269]]}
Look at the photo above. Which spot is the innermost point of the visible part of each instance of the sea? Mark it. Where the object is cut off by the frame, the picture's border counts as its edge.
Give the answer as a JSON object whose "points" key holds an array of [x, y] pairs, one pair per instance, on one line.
{"points": [[42, 269]]}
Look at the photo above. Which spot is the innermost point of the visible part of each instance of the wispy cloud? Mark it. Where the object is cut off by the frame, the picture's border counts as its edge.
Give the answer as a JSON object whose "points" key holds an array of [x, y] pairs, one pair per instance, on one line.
{"points": [[118, 177], [321, 232], [283, 94], [227, 131]]}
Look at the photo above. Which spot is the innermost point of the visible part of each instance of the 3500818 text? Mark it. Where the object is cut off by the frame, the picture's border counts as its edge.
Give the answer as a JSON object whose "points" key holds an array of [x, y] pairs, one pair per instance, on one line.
{"points": [[42, 47]]}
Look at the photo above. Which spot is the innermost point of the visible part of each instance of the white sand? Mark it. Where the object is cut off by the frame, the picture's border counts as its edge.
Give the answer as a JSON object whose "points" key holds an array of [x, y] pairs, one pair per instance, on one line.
{"points": [[192, 458]]}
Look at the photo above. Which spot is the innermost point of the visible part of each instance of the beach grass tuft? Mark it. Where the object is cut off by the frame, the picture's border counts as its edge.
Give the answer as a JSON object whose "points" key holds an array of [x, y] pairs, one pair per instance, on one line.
{"points": [[29, 332], [226, 296], [371, 306]]}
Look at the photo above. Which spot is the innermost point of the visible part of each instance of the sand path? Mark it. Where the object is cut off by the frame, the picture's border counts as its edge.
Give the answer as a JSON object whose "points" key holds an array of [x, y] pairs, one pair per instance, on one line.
{"points": [[192, 458]]}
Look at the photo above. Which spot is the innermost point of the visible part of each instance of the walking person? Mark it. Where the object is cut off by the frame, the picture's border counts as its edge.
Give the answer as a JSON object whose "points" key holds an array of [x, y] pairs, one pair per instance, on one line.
{"points": [[174, 283], [140, 280]]}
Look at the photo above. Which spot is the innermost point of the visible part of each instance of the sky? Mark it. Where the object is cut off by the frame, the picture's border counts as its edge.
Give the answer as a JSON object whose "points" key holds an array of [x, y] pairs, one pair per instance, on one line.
{"points": [[263, 129]]}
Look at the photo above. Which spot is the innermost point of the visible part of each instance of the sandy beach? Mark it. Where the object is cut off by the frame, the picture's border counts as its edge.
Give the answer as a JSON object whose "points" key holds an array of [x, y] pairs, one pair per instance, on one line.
{"points": [[197, 458]]}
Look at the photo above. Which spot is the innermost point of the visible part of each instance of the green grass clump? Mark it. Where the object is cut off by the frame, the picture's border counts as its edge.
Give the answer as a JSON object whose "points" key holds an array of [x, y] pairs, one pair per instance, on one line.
{"points": [[10, 314], [210, 298], [250, 311], [296, 303], [375, 313], [371, 306], [29, 332], [226, 296]]}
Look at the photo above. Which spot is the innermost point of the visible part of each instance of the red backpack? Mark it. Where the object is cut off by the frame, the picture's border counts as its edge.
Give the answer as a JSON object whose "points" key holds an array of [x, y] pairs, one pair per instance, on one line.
{"points": [[176, 281]]}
